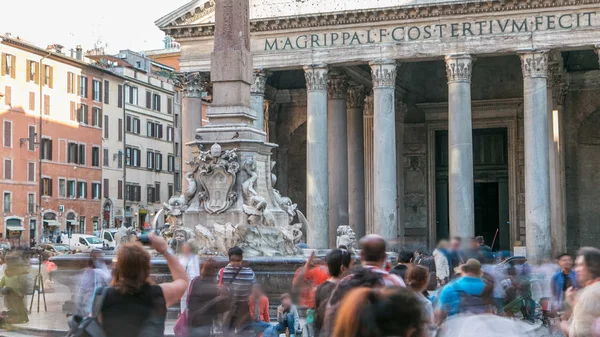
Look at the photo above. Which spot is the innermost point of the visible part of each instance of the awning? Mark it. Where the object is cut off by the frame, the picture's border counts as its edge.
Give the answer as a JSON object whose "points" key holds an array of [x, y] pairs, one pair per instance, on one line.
{"points": [[15, 228], [72, 222], [51, 223]]}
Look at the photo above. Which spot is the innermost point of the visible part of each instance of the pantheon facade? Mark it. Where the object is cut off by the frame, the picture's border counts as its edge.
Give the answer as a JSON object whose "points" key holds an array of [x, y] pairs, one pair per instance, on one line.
{"points": [[420, 120]]}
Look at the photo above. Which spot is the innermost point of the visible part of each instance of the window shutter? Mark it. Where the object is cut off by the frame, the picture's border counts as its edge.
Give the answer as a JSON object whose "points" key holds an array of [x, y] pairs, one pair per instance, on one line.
{"points": [[120, 189], [158, 103], [38, 73], [31, 172], [85, 185], [31, 100], [137, 123], [8, 95], [78, 85], [3, 60], [46, 105], [69, 84], [85, 115], [120, 127], [51, 75], [169, 105], [148, 100], [157, 192], [105, 126], [14, 66], [73, 112], [49, 186], [160, 131], [49, 149], [106, 92], [27, 70], [75, 153], [120, 97], [100, 92], [105, 187], [7, 134]]}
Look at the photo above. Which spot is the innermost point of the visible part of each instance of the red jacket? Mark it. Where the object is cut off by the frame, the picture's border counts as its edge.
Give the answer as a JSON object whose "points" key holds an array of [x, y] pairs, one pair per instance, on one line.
{"points": [[263, 306]]}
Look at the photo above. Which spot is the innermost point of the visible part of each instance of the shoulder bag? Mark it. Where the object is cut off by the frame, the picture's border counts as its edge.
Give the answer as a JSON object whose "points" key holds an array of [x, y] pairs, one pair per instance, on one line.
{"points": [[89, 326]]}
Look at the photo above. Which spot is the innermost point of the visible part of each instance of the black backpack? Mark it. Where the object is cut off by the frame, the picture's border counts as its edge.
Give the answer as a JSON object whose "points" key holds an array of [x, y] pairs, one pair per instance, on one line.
{"points": [[429, 263]]}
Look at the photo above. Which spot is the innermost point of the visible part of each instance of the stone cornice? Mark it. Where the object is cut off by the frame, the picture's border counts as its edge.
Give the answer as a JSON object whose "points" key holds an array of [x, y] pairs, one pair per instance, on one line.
{"points": [[410, 12]]}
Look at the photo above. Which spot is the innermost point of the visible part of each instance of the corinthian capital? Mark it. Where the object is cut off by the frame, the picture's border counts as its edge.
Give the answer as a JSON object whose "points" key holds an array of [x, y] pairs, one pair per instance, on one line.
{"points": [[192, 83], [534, 64], [260, 82], [368, 108], [458, 68], [355, 99], [383, 73], [337, 86], [316, 77]]}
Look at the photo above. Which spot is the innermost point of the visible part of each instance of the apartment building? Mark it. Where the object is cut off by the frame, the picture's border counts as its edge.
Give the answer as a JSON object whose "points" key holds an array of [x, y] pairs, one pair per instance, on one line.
{"points": [[51, 111]]}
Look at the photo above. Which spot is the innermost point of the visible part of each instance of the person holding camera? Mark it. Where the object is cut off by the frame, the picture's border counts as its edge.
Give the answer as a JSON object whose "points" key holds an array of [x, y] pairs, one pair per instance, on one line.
{"points": [[134, 305]]}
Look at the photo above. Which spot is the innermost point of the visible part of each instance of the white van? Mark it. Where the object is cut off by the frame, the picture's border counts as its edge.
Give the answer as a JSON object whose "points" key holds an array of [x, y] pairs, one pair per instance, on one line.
{"points": [[108, 237], [83, 242]]}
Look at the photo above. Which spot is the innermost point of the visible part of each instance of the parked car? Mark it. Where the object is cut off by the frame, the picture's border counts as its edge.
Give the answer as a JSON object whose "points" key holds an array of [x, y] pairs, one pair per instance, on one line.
{"points": [[82, 242], [56, 248]]}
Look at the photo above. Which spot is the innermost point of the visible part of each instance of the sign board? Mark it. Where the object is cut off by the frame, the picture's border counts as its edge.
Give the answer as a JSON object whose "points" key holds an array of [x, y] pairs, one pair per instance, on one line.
{"points": [[520, 251]]}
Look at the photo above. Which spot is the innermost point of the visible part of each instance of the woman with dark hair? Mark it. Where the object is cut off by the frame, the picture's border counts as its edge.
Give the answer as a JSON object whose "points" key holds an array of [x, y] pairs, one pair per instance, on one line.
{"points": [[366, 312], [207, 300], [133, 305], [417, 279]]}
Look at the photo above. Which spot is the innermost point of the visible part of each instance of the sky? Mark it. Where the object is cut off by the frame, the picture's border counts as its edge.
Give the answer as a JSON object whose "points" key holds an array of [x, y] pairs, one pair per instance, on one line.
{"points": [[114, 24]]}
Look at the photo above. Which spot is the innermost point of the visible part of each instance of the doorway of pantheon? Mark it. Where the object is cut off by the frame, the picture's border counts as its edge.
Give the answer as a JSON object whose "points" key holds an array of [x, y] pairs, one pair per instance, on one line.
{"points": [[491, 188]]}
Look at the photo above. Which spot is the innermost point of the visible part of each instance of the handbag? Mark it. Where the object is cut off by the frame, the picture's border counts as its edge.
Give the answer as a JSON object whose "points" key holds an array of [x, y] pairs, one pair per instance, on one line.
{"points": [[89, 326], [181, 326]]}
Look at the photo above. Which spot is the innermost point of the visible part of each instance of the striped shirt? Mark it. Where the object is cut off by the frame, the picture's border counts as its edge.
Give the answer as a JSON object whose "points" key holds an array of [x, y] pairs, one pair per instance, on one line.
{"points": [[239, 281]]}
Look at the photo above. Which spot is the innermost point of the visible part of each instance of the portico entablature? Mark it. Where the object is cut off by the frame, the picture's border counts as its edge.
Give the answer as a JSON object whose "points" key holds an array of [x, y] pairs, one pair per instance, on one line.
{"points": [[414, 33]]}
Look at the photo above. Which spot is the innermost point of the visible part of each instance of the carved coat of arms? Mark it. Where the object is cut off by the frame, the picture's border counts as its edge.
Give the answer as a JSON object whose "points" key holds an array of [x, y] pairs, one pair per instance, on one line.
{"points": [[217, 176]]}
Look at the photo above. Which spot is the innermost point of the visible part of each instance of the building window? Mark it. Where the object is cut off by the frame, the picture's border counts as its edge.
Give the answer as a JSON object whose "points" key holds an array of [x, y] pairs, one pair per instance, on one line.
{"points": [[47, 187], [31, 171], [30, 203], [96, 90], [157, 191], [177, 181], [120, 127], [71, 185], [132, 157], [106, 187], [131, 95], [159, 131], [46, 105], [120, 96], [46, 148], [7, 96], [70, 82], [7, 134], [150, 194], [148, 100], [158, 161], [150, 160], [106, 92], [170, 133], [81, 189], [169, 105], [156, 102], [120, 159], [170, 163], [8, 65], [150, 129], [95, 156], [120, 189], [136, 126], [83, 88], [31, 138], [72, 153], [7, 169], [96, 117], [62, 188], [105, 158], [33, 69], [82, 114], [133, 193], [95, 191], [32, 101], [81, 225], [105, 126], [169, 190], [6, 203], [81, 154], [48, 76]]}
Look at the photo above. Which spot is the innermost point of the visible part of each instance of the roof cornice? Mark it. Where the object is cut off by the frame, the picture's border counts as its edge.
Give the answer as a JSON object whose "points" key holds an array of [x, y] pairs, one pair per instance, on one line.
{"points": [[410, 12]]}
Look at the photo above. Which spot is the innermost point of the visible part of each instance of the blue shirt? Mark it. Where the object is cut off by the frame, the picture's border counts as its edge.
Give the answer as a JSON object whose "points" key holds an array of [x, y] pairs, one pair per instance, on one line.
{"points": [[449, 299]]}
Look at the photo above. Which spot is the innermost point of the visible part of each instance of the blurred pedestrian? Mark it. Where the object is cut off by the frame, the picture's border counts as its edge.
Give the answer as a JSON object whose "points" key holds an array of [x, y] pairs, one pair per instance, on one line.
{"points": [[238, 279], [586, 305], [259, 309], [306, 280], [133, 305], [562, 281], [288, 320], [190, 261], [442, 263], [417, 279], [456, 255], [95, 276], [13, 287], [207, 301], [338, 264], [373, 256], [405, 260], [366, 312]]}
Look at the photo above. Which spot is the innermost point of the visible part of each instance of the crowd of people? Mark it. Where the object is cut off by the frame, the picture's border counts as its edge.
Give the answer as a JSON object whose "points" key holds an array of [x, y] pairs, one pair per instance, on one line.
{"points": [[344, 294]]}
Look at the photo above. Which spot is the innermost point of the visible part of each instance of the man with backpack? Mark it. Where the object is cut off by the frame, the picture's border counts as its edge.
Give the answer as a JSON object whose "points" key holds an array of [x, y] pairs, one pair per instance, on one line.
{"points": [[467, 294]]}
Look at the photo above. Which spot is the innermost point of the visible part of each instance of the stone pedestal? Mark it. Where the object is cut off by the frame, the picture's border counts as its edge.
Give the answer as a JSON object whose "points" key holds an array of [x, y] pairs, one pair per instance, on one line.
{"points": [[337, 154], [384, 150], [317, 182], [356, 173], [460, 146], [537, 187], [368, 148]]}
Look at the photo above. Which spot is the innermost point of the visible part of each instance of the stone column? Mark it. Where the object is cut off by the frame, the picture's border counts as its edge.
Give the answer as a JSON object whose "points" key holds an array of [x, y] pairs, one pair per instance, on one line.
{"points": [[192, 85], [356, 173], [368, 148], [460, 146], [401, 111], [317, 182], [384, 150], [537, 187], [337, 153], [257, 97]]}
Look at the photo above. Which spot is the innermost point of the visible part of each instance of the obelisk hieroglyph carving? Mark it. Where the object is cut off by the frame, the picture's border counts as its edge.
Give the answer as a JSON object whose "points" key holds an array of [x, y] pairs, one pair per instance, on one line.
{"points": [[231, 65]]}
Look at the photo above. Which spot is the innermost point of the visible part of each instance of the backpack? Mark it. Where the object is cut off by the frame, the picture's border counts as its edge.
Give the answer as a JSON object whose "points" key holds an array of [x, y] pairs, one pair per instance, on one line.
{"points": [[429, 263], [89, 326]]}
